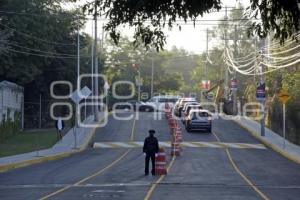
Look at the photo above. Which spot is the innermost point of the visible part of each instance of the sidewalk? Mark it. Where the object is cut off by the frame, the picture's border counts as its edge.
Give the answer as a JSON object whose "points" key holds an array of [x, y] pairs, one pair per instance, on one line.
{"points": [[271, 139], [63, 148]]}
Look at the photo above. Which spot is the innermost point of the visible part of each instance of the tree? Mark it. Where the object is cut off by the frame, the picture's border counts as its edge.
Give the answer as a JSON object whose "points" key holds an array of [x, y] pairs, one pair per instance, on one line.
{"points": [[278, 17], [3, 42], [125, 62], [42, 40], [149, 17]]}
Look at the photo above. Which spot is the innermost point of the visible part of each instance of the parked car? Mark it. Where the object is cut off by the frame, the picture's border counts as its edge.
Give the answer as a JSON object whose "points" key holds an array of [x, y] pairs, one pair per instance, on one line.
{"points": [[182, 103], [187, 110], [135, 105], [186, 105], [179, 103], [199, 120]]}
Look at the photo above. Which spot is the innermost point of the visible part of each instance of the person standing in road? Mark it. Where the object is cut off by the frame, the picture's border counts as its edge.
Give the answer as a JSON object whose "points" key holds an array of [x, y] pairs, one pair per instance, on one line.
{"points": [[59, 125], [150, 150]]}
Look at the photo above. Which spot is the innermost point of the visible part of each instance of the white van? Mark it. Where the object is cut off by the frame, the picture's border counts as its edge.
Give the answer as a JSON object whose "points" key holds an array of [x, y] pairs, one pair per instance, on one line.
{"points": [[159, 102]]}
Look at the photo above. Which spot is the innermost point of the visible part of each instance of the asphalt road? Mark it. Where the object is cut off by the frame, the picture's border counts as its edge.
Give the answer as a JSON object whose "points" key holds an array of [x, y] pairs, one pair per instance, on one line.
{"points": [[199, 173]]}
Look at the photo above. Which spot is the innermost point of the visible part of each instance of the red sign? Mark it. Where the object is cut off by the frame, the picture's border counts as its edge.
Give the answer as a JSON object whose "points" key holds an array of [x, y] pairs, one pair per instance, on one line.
{"points": [[205, 84]]}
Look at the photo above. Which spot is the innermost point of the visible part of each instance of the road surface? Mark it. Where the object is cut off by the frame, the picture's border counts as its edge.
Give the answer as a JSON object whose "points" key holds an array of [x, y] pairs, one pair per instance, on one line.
{"points": [[207, 172]]}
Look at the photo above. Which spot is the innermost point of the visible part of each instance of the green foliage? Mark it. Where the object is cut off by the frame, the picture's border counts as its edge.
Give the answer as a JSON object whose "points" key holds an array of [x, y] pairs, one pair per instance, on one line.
{"points": [[124, 62], [23, 142], [160, 14], [9, 127], [42, 49], [149, 17], [277, 16], [291, 82], [42, 44]]}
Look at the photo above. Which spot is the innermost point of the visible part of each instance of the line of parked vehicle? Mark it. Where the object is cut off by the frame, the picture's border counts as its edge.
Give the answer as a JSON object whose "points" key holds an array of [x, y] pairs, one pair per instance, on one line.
{"points": [[191, 113]]}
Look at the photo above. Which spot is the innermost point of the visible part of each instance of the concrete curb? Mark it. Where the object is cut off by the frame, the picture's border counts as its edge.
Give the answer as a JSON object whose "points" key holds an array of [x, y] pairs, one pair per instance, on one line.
{"points": [[282, 152], [24, 163]]}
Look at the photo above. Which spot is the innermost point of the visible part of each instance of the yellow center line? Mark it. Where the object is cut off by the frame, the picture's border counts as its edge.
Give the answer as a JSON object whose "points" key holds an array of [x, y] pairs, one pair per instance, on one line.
{"points": [[261, 194], [95, 174], [154, 185]]}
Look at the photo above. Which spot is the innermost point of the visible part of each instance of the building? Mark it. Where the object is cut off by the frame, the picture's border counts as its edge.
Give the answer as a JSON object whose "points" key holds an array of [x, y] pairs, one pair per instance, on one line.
{"points": [[11, 101]]}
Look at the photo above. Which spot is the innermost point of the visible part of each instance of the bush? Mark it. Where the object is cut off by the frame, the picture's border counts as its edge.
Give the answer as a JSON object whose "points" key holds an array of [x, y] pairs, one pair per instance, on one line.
{"points": [[9, 127]]}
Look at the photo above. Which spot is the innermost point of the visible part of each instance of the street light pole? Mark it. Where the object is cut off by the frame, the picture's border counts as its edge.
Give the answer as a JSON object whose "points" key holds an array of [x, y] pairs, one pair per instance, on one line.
{"points": [[92, 71], [234, 92], [96, 90], [78, 54]]}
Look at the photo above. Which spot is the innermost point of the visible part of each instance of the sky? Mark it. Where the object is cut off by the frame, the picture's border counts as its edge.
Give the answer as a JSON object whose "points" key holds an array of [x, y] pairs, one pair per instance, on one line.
{"points": [[190, 38]]}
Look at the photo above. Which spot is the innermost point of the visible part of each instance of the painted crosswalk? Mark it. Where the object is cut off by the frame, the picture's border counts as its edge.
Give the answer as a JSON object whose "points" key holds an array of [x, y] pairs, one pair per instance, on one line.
{"points": [[139, 144]]}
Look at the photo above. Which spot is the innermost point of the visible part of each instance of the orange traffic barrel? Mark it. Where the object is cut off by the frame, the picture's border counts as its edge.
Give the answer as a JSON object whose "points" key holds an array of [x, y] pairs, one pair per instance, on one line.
{"points": [[175, 149], [160, 162], [178, 136]]}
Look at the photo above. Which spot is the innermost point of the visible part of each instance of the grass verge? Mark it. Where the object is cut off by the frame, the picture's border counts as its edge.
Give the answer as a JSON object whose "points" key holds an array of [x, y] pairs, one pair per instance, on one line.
{"points": [[27, 141]]}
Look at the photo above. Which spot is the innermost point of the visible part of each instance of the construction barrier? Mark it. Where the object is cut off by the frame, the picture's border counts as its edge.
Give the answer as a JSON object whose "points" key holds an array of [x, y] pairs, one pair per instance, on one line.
{"points": [[175, 131], [160, 162], [178, 136], [175, 149]]}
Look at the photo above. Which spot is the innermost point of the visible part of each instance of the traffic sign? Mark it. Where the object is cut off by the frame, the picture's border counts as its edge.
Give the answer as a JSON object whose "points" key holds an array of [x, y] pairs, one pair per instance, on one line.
{"points": [[205, 84], [283, 96], [83, 94], [261, 92]]}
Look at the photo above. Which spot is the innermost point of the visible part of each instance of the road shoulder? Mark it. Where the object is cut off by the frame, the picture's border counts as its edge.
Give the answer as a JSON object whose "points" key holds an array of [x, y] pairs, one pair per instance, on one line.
{"points": [[60, 150], [271, 139]]}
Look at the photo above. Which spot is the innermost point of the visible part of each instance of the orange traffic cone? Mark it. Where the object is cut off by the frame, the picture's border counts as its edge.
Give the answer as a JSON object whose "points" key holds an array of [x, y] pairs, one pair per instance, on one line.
{"points": [[160, 162]]}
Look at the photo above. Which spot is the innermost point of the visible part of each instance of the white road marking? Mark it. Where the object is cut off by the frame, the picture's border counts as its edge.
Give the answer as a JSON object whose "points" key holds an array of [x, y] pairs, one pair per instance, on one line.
{"points": [[138, 144]]}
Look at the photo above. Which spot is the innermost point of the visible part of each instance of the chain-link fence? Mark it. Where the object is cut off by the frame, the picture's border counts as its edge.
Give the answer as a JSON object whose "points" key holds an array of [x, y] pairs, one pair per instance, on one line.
{"points": [[37, 114]]}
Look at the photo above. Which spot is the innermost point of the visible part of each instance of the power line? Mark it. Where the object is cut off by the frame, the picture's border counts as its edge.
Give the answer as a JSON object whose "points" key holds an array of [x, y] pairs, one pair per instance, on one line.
{"points": [[36, 38], [47, 15], [41, 51], [43, 55]]}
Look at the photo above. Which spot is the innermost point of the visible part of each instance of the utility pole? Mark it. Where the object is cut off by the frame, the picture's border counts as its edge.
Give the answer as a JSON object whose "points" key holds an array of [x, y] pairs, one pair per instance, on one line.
{"points": [[22, 115], [262, 81], [226, 70], [92, 71], [78, 54], [101, 50], [205, 72], [78, 68], [234, 91], [152, 74], [40, 120], [96, 90], [206, 78]]}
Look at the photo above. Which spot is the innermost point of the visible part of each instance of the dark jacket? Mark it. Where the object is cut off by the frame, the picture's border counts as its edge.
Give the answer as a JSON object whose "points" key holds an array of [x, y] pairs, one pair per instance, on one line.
{"points": [[150, 145]]}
